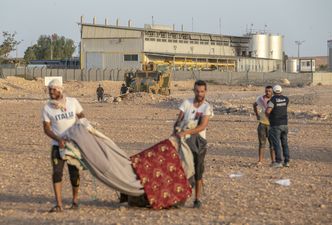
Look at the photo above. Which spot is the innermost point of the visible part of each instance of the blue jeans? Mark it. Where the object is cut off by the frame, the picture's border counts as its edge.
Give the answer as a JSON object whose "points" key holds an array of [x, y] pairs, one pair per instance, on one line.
{"points": [[278, 135]]}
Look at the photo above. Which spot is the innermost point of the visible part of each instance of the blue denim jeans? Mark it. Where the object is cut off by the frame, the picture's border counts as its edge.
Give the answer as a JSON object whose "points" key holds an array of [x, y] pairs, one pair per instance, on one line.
{"points": [[278, 136]]}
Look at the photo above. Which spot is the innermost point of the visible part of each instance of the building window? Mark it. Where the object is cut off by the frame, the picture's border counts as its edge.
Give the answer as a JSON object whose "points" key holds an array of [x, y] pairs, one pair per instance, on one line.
{"points": [[196, 42], [191, 42], [169, 40], [131, 57], [152, 39], [159, 40], [186, 42], [147, 39], [163, 40], [180, 41]]}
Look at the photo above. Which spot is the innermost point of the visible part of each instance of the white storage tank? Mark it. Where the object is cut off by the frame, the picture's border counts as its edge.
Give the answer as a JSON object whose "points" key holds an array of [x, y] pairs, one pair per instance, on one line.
{"points": [[276, 47], [259, 45], [292, 65]]}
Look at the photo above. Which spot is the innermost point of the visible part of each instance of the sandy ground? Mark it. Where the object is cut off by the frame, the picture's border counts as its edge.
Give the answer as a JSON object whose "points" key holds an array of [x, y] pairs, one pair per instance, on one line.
{"points": [[141, 121]]}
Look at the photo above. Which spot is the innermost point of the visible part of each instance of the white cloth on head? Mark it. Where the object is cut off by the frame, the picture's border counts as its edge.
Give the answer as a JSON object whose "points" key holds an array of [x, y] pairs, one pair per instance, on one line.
{"points": [[56, 84]]}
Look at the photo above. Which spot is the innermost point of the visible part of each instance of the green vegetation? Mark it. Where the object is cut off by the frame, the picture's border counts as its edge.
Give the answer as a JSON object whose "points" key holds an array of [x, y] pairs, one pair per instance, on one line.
{"points": [[50, 47]]}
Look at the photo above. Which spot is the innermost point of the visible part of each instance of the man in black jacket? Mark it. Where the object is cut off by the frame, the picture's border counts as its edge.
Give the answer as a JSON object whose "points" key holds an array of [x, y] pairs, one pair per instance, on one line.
{"points": [[277, 113], [100, 93]]}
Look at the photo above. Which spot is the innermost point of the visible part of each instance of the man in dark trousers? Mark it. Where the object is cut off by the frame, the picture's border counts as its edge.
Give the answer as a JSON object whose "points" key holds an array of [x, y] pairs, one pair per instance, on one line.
{"points": [[100, 93], [196, 111], [58, 115], [277, 113]]}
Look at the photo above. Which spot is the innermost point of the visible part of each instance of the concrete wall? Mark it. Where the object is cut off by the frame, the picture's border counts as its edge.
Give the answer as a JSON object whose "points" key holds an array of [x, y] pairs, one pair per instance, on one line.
{"points": [[67, 74], [238, 78], [322, 78], [231, 78]]}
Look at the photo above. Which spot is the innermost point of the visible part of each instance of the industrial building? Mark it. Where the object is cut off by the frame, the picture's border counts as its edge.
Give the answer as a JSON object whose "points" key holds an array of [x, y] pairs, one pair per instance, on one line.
{"points": [[126, 47]]}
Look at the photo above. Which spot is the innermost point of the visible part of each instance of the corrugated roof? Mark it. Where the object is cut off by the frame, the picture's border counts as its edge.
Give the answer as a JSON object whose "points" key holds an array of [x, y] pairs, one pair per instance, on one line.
{"points": [[157, 30]]}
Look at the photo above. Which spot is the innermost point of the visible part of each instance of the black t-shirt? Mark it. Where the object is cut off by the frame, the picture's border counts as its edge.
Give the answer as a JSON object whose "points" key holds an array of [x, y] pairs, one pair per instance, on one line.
{"points": [[278, 116]]}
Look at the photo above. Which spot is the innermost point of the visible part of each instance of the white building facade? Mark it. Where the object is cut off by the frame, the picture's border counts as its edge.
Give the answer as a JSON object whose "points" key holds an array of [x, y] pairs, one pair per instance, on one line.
{"points": [[128, 48]]}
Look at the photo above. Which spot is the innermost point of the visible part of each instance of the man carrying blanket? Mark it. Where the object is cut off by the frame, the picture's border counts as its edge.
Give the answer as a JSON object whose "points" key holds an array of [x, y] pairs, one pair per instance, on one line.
{"points": [[191, 124], [59, 114]]}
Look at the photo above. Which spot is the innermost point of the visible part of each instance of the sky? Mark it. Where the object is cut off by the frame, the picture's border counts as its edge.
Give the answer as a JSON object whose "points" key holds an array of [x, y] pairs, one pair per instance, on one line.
{"points": [[308, 21]]}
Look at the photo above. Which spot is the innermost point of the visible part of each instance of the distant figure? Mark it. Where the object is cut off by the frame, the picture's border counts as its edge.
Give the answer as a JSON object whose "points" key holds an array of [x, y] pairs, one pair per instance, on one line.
{"points": [[100, 93], [277, 113], [124, 89], [260, 107]]}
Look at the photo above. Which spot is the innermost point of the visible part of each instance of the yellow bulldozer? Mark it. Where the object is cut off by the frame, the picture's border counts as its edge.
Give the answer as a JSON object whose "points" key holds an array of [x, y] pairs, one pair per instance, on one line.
{"points": [[152, 78]]}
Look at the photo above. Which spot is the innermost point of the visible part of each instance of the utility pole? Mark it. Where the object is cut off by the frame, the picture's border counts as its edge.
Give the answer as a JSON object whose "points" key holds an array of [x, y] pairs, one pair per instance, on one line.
{"points": [[221, 40], [51, 49], [298, 43]]}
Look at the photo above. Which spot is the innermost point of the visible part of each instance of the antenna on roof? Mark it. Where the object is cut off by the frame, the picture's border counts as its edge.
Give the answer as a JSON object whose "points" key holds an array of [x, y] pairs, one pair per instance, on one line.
{"points": [[220, 26], [192, 24], [152, 20]]}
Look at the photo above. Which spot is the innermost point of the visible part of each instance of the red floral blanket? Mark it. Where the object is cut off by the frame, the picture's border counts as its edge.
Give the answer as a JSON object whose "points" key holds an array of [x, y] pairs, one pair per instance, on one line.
{"points": [[160, 171]]}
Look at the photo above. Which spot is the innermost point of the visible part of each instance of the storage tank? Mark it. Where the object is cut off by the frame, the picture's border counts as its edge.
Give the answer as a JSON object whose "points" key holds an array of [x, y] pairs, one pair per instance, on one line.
{"points": [[276, 47], [259, 45], [329, 46], [291, 65]]}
